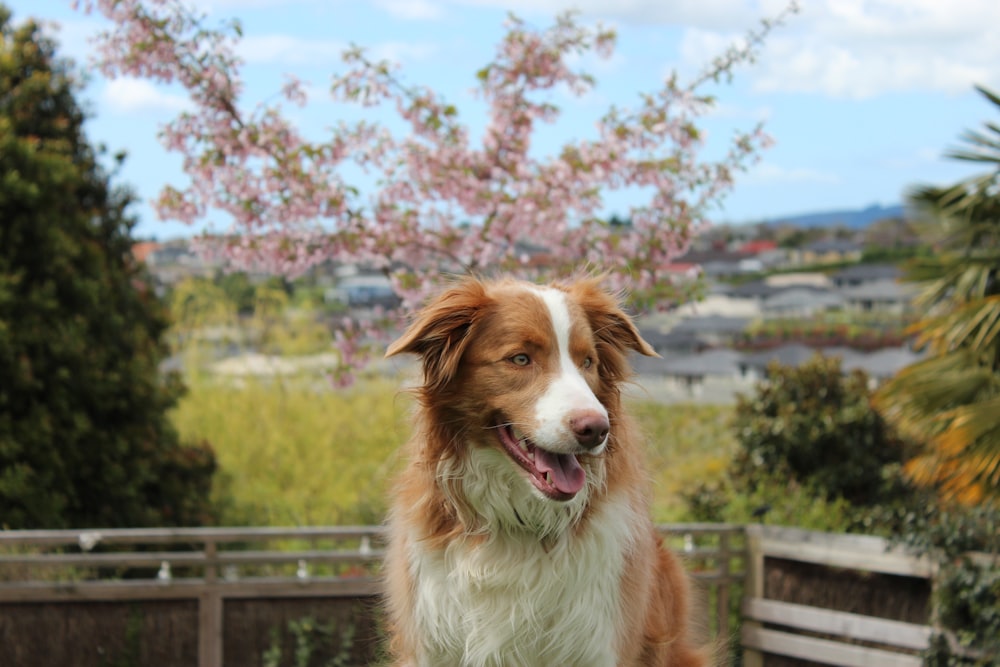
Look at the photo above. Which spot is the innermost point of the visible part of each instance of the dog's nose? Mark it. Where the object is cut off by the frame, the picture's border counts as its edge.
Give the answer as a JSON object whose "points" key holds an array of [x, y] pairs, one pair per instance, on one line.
{"points": [[590, 428]]}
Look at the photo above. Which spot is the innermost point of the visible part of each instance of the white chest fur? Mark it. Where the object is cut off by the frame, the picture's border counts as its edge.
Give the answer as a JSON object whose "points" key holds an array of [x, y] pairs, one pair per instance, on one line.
{"points": [[512, 602]]}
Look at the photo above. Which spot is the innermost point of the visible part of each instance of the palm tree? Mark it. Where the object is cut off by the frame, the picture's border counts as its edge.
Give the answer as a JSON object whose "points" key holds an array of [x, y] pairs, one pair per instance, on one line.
{"points": [[951, 399]]}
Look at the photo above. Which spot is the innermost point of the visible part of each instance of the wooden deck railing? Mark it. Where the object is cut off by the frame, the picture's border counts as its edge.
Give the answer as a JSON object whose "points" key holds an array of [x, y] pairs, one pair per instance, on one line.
{"points": [[213, 565], [210, 566]]}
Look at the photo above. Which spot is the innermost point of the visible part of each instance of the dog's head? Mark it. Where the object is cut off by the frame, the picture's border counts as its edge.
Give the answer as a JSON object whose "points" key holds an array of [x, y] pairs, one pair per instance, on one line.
{"points": [[525, 379]]}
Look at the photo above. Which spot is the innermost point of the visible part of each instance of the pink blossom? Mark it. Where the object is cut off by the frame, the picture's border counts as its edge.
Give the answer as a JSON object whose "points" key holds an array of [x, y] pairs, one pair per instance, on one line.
{"points": [[444, 203]]}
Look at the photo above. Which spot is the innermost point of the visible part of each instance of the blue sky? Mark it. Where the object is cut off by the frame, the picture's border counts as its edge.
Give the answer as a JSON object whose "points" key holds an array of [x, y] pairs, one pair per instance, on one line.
{"points": [[863, 97]]}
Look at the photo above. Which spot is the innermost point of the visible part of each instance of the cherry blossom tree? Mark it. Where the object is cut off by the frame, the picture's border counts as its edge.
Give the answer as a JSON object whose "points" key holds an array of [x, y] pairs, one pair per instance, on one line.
{"points": [[444, 203]]}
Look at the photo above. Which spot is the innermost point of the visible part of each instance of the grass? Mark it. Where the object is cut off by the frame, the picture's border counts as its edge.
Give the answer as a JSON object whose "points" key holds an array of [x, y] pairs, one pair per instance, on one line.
{"points": [[294, 453], [291, 454], [685, 443]]}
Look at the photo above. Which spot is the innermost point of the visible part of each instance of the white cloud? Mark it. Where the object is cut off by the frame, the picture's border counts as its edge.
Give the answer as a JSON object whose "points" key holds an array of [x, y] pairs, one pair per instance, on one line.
{"points": [[770, 174], [289, 50], [850, 49], [858, 49], [411, 9], [714, 14], [915, 159], [402, 52], [128, 95]]}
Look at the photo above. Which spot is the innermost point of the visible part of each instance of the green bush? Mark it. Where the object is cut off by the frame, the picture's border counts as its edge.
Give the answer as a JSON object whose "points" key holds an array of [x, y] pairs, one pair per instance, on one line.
{"points": [[84, 436], [967, 590], [815, 425]]}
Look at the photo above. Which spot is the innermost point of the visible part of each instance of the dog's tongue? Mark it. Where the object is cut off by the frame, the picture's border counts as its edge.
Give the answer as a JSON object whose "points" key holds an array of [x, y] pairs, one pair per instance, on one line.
{"points": [[567, 474]]}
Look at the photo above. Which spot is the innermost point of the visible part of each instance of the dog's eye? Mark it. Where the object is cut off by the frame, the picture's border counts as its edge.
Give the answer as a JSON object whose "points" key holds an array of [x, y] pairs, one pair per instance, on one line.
{"points": [[520, 359], [588, 362]]}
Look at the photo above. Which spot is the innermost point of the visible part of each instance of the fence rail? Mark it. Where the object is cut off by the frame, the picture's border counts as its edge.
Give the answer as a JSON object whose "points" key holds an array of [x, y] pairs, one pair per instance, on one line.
{"points": [[213, 567]]}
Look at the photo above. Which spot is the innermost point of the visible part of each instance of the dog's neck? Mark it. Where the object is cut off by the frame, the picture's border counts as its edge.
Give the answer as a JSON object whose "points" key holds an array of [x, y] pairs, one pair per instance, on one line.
{"points": [[493, 500]]}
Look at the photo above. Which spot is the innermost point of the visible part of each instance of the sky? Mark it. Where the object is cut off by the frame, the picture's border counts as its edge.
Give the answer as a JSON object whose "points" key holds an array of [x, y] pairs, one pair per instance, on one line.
{"points": [[862, 97]]}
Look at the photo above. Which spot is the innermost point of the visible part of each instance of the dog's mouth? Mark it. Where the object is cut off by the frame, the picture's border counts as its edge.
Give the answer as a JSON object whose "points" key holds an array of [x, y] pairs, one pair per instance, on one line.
{"points": [[557, 476]]}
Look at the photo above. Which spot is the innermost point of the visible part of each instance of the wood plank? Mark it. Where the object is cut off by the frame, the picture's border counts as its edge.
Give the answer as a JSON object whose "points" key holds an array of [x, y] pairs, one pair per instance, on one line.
{"points": [[823, 650], [130, 559], [191, 589], [183, 535], [754, 588], [209, 630], [847, 625], [312, 556], [856, 552]]}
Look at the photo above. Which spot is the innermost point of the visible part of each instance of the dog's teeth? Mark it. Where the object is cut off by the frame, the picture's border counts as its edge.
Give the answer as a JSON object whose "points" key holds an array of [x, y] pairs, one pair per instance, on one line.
{"points": [[523, 444], [548, 477]]}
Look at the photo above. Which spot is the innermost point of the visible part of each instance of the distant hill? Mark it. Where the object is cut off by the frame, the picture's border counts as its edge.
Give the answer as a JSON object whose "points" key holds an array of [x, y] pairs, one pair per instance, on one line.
{"points": [[853, 219]]}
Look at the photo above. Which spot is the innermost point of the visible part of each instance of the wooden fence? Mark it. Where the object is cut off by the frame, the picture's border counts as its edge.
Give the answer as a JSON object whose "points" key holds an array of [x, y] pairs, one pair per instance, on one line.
{"points": [[215, 567], [805, 598]]}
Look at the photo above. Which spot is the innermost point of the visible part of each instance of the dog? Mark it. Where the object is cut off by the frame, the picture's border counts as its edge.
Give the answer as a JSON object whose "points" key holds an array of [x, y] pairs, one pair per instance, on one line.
{"points": [[519, 532]]}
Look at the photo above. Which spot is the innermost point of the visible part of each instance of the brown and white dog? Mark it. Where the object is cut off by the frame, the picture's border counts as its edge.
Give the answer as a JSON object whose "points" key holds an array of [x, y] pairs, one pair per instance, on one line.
{"points": [[520, 533]]}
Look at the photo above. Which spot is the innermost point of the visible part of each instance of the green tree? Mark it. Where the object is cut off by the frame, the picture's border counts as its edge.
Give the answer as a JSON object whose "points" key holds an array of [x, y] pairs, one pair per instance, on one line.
{"points": [[814, 425], [952, 397], [84, 438]]}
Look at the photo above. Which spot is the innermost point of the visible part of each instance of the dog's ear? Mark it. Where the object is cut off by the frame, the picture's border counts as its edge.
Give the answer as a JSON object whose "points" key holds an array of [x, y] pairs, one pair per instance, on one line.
{"points": [[615, 332], [440, 333]]}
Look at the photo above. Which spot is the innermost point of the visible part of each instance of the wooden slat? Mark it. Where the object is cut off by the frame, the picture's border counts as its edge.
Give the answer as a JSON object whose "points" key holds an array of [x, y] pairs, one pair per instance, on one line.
{"points": [[849, 626], [183, 535], [823, 650], [856, 552], [125, 559], [700, 528], [190, 589], [313, 556]]}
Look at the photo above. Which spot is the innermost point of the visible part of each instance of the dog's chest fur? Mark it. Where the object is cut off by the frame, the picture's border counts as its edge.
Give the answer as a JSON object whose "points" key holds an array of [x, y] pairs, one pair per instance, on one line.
{"points": [[514, 602]]}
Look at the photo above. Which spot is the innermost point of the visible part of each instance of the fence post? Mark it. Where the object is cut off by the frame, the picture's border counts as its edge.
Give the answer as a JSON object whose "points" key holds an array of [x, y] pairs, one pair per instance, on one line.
{"points": [[210, 613], [722, 595], [754, 587]]}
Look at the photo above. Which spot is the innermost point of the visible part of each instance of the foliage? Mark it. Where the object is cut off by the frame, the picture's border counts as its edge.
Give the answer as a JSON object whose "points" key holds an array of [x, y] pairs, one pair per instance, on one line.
{"points": [[814, 424], [772, 499], [855, 330], [967, 591], [952, 396], [293, 452], [312, 640], [214, 317], [444, 203], [684, 442], [84, 438]]}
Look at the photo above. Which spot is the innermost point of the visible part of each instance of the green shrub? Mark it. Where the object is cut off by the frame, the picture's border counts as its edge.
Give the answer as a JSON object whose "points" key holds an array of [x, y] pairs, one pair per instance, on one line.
{"points": [[815, 425]]}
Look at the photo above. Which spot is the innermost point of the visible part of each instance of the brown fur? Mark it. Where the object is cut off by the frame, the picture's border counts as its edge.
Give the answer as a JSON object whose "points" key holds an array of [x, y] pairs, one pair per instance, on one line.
{"points": [[460, 337]]}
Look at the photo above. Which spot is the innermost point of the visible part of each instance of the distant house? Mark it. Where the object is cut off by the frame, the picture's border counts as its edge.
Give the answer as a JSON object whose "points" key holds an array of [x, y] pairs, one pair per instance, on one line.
{"points": [[860, 274], [757, 290], [364, 290], [881, 365], [722, 263], [830, 251], [720, 304], [142, 250], [794, 354], [881, 296], [713, 330], [810, 279], [801, 302], [669, 343], [691, 372], [757, 246], [173, 261]]}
